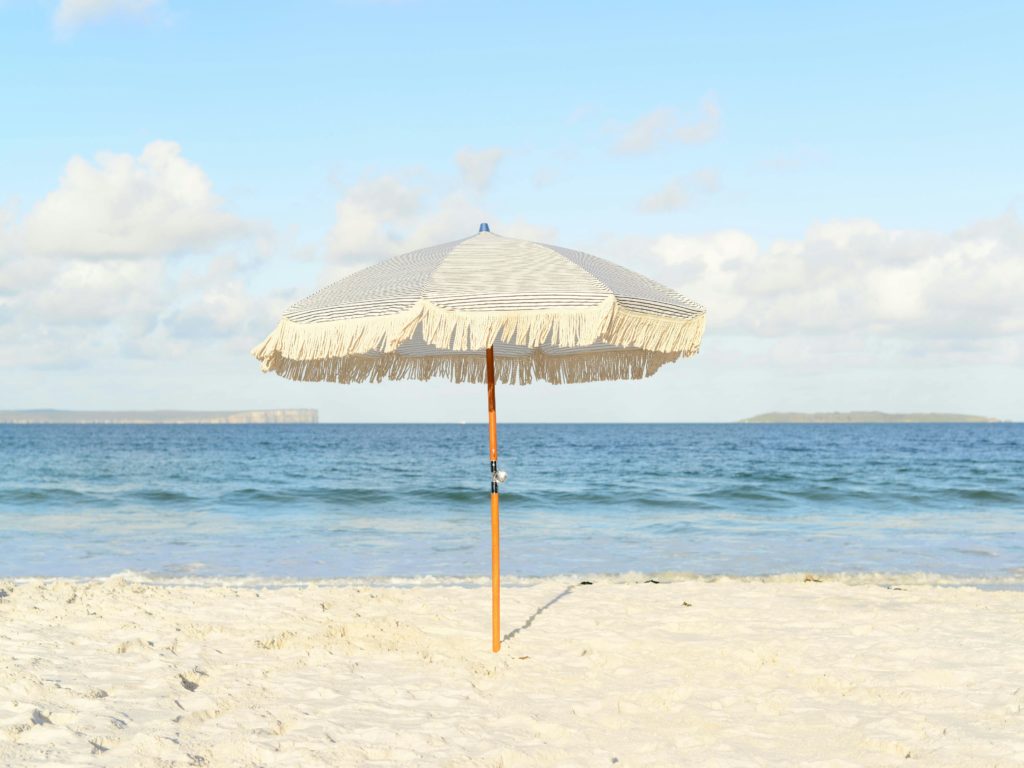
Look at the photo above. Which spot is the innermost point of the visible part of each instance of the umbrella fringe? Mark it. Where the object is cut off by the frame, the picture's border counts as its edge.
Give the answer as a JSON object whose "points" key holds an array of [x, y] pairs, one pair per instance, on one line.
{"points": [[555, 369], [304, 348]]}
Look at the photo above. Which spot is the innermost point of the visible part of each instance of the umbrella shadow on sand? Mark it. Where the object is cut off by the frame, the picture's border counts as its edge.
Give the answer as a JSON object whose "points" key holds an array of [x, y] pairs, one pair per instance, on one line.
{"points": [[533, 617]]}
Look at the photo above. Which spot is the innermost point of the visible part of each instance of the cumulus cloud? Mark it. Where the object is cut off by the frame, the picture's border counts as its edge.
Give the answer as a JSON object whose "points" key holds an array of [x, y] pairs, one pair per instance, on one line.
{"points": [[101, 313], [8, 265], [224, 308], [666, 126], [72, 312], [478, 166], [72, 14], [386, 215], [126, 206], [92, 293], [370, 217], [855, 277], [92, 271]]}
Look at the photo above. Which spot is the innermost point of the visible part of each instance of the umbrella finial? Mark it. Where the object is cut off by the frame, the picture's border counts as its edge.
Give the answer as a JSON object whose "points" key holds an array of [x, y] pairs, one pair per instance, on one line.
{"points": [[484, 227]]}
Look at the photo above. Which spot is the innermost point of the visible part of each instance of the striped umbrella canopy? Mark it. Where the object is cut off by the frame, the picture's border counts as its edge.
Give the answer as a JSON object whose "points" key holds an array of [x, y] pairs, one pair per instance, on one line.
{"points": [[486, 308]]}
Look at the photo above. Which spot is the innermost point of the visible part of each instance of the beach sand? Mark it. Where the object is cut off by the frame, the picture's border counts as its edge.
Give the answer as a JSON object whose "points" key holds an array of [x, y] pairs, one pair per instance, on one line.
{"points": [[724, 672]]}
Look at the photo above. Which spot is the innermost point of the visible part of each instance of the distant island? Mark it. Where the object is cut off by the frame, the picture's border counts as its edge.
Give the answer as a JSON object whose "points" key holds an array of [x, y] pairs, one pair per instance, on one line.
{"points": [[867, 417], [45, 416]]}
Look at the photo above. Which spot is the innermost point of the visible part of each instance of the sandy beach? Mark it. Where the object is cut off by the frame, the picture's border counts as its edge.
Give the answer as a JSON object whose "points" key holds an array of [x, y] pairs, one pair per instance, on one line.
{"points": [[722, 672]]}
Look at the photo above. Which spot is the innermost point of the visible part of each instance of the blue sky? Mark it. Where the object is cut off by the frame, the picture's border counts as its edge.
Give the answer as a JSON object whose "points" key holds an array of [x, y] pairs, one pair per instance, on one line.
{"points": [[839, 183]]}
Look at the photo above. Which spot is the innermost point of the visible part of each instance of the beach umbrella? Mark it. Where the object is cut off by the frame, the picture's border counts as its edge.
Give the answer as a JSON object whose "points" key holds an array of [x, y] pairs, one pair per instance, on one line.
{"points": [[486, 308]]}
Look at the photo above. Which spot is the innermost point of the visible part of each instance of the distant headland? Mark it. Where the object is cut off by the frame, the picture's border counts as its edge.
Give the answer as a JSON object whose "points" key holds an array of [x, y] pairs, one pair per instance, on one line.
{"points": [[867, 417], [46, 416]]}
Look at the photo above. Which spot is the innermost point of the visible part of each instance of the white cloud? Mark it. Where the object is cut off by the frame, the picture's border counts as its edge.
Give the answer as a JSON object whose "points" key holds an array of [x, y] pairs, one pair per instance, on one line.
{"points": [[95, 292], [702, 128], [226, 308], [72, 14], [71, 312], [679, 192], [670, 197], [478, 166], [666, 126], [367, 217], [648, 131], [387, 215], [857, 278], [706, 266], [97, 270], [125, 206], [8, 263]]}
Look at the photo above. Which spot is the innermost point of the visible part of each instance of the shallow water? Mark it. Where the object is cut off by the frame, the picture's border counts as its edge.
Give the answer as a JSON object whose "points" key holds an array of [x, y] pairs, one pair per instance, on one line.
{"points": [[322, 501]]}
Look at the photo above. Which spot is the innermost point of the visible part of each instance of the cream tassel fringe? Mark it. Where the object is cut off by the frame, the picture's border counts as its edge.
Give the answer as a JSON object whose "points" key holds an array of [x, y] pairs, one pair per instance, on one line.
{"points": [[555, 369], [364, 349]]}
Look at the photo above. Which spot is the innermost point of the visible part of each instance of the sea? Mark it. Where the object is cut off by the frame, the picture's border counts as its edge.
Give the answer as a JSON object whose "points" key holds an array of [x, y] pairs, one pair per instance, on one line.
{"points": [[411, 501]]}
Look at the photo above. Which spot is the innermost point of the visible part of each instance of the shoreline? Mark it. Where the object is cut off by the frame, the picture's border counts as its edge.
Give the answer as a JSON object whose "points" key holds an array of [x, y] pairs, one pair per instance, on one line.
{"points": [[1011, 581]]}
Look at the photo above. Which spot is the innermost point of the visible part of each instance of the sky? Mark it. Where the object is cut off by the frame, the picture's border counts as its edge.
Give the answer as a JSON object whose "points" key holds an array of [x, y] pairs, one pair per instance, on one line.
{"points": [[841, 184]]}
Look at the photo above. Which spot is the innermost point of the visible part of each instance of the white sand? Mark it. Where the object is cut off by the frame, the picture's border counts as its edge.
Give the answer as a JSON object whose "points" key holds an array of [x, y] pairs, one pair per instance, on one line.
{"points": [[117, 672]]}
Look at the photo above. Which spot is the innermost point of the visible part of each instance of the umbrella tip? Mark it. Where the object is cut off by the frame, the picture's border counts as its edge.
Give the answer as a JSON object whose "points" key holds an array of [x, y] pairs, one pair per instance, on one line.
{"points": [[484, 227]]}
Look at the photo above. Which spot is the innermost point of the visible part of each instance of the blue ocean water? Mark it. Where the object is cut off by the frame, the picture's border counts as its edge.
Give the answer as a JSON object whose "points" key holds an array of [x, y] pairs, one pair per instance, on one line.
{"points": [[322, 501]]}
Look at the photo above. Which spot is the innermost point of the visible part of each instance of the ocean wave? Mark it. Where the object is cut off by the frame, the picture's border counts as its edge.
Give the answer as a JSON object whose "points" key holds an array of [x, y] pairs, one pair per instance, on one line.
{"points": [[159, 496], [251, 496], [987, 494], [18, 496]]}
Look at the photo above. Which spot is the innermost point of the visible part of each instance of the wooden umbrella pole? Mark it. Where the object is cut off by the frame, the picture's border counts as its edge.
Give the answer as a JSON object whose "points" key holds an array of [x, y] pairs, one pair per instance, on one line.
{"points": [[492, 419]]}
